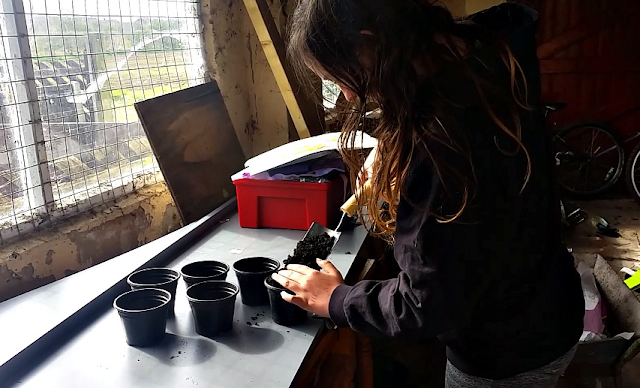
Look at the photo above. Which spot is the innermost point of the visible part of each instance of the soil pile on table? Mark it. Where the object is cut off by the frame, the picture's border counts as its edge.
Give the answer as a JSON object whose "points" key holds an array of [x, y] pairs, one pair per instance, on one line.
{"points": [[310, 249]]}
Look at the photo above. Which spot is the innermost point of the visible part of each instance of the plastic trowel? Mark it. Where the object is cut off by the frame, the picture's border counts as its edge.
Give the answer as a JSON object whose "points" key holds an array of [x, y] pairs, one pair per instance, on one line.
{"points": [[349, 208]]}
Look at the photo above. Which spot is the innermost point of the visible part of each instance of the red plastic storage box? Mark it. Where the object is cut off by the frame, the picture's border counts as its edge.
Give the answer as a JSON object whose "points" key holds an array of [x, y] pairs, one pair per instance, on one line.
{"points": [[289, 205]]}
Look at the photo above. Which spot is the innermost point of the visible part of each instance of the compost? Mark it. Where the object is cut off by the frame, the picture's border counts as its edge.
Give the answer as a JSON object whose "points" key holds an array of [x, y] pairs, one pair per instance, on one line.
{"points": [[310, 249]]}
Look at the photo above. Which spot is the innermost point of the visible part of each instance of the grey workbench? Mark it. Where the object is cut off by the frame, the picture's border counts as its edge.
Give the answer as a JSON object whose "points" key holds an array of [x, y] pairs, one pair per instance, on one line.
{"points": [[257, 352]]}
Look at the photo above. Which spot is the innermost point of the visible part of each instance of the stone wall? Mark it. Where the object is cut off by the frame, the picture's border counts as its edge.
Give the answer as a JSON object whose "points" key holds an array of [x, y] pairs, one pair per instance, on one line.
{"points": [[87, 239]]}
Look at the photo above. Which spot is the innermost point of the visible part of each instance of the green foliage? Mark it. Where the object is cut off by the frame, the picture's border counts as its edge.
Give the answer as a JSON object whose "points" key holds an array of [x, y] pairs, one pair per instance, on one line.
{"points": [[67, 36]]}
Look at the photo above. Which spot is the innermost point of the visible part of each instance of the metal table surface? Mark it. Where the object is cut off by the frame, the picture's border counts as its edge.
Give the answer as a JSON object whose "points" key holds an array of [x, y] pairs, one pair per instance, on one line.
{"points": [[30, 316], [257, 352]]}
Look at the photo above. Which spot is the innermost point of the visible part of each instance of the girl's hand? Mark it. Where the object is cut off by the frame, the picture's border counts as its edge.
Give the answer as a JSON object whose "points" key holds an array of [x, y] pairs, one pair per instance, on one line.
{"points": [[313, 288]]}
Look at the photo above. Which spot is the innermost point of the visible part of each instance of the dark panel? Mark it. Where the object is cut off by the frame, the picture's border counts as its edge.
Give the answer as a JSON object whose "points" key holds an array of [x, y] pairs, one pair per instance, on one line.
{"points": [[196, 146], [588, 60]]}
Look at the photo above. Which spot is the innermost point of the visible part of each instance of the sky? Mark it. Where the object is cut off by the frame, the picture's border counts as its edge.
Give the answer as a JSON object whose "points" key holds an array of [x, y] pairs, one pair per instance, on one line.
{"points": [[106, 8]]}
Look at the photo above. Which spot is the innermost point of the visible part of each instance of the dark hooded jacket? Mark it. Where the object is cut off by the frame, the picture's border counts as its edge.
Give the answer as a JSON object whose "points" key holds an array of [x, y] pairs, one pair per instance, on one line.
{"points": [[497, 286]]}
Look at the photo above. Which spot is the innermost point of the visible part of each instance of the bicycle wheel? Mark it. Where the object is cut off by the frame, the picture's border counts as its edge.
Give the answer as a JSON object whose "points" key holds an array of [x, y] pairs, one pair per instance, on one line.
{"points": [[632, 173], [589, 158]]}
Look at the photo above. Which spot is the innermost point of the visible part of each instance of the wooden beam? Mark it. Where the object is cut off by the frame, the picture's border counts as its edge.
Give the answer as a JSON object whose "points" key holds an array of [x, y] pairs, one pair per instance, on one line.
{"points": [[274, 48], [598, 65]]}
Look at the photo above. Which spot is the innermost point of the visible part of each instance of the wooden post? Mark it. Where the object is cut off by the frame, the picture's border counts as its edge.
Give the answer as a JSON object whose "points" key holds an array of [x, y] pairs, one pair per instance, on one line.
{"points": [[300, 108]]}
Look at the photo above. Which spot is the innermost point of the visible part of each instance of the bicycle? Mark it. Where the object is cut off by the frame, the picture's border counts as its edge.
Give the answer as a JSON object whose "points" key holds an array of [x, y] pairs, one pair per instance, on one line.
{"points": [[632, 170], [589, 156]]}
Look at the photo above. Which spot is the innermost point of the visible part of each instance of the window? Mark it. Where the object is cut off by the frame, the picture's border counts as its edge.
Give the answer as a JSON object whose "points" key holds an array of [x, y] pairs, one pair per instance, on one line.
{"points": [[70, 72]]}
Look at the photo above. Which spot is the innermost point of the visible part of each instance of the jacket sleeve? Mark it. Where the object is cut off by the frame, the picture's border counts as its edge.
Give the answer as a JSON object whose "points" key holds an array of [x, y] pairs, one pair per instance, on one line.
{"points": [[412, 304]]}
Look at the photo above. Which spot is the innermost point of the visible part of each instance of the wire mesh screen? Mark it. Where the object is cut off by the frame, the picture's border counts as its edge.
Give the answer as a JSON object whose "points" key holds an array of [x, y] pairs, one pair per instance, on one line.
{"points": [[88, 62]]}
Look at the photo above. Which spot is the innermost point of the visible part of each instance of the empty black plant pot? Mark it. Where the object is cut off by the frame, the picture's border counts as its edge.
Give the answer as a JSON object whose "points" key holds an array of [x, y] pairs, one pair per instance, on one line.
{"points": [[163, 278], [144, 315], [251, 273], [201, 271], [212, 305], [283, 312]]}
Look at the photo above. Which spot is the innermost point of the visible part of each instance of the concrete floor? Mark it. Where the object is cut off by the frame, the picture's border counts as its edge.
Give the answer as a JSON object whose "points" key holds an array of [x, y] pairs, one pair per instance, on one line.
{"points": [[623, 251], [623, 214]]}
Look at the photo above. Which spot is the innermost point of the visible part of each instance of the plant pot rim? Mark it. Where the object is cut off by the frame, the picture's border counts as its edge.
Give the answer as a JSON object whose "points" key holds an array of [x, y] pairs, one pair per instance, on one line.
{"points": [[155, 291], [277, 286], [235, 288], [223, 264], [267, 259], [172, 271]]}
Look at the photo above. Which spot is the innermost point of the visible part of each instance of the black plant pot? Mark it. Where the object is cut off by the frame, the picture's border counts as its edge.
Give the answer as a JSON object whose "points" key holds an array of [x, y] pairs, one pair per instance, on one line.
{"points": [[283, 312], [144, 315], [201, 271], [251, 273], [212, 304], [163, 278]]}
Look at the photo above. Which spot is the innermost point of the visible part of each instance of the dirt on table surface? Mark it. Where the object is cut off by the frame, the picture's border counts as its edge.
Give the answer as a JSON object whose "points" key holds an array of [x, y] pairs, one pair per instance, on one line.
{"points": [[310, 249]]}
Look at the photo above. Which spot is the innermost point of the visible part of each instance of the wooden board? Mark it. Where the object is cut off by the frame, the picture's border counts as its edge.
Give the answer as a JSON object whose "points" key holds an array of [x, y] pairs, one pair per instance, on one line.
{"points": [[196, 146], [588, 59]]}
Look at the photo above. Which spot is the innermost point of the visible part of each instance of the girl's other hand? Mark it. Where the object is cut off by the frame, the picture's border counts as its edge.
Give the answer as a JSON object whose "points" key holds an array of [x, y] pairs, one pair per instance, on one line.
{"points": [[313, 288]]}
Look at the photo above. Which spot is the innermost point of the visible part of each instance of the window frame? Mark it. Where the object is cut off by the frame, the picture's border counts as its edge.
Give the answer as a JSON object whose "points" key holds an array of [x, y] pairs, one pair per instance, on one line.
{"points": [[39, 190]]}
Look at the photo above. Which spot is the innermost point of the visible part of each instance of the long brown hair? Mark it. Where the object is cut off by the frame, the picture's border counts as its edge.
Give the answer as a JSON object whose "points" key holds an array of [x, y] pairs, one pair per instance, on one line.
{"points": [[378, 65]]}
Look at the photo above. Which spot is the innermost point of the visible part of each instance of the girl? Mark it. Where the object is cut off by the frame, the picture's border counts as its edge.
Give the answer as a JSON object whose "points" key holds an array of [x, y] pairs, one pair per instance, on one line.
{"points": [[466, 177]]}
